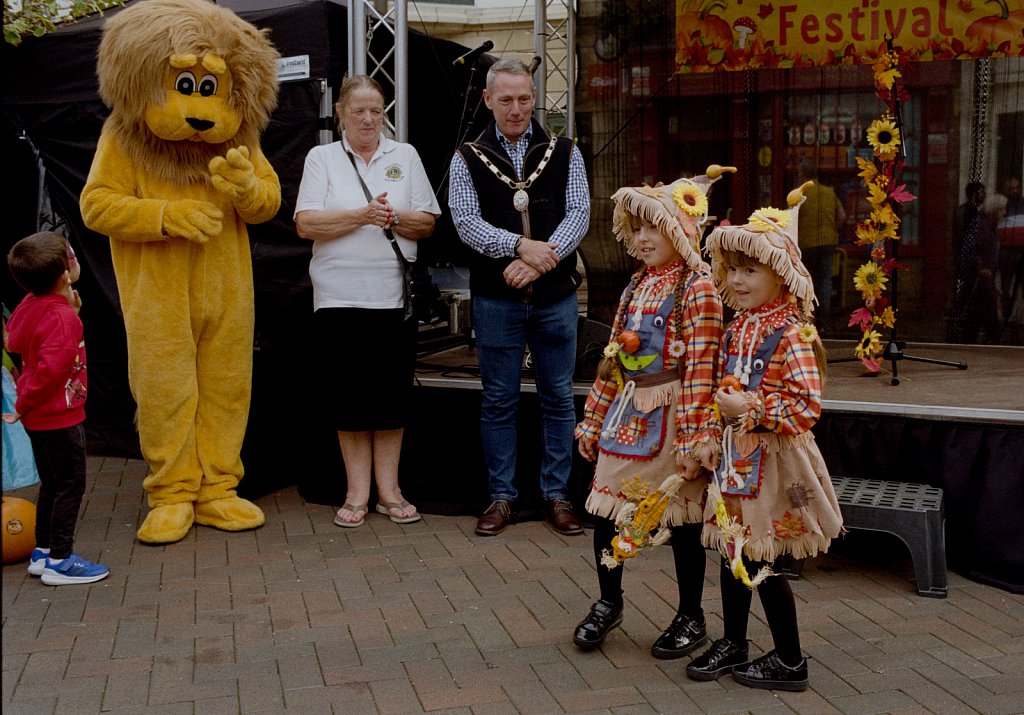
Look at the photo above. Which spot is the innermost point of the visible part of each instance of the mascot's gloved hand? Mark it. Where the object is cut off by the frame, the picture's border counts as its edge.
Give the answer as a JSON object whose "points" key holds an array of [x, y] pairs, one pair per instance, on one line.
{"points": [[197, 221], [234, 174]]}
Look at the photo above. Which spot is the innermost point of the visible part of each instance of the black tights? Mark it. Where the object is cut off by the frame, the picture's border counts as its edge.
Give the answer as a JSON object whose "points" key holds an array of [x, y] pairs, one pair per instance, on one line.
{"points": [[779, 610], [687, 552]]}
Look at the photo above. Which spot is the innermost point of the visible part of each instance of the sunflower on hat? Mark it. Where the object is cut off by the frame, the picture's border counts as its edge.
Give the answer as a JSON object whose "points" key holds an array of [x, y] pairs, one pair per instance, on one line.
{"points": [[690, 198]]}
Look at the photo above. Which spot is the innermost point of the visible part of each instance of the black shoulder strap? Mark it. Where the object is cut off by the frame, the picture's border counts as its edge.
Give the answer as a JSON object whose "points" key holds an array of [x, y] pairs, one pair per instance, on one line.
{"points": [[387, 231]]}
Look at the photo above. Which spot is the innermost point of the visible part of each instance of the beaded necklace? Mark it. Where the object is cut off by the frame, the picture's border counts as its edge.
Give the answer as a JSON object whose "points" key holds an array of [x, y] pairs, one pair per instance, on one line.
{"points": [[520, 199], [653, 286], [750, 327]]}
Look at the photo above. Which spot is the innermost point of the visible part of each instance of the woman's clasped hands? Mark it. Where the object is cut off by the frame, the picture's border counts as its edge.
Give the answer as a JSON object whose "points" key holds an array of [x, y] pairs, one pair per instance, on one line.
{"points": [[379, 212]]}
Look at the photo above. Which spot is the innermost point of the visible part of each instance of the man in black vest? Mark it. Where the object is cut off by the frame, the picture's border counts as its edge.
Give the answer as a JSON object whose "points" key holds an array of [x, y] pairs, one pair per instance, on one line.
{"points": [[520, 201]]}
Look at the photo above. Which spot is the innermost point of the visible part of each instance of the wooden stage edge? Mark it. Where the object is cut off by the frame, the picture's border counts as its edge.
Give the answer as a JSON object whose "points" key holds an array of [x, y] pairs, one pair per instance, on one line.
{"points": [[990, 390]]}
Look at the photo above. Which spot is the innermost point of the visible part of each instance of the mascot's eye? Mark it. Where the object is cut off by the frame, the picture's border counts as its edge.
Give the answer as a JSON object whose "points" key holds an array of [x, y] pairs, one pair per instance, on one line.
{"points": [[186, 83], [659, 321], [208, 85]]}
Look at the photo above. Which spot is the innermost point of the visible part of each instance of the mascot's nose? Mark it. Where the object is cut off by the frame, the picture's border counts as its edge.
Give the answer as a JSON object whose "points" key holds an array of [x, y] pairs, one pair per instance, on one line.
{"points": [[200, 125]]}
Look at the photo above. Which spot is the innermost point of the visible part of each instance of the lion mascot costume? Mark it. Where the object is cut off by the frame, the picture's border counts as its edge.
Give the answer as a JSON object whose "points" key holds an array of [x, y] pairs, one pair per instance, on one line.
{"points": [[178, 173]]}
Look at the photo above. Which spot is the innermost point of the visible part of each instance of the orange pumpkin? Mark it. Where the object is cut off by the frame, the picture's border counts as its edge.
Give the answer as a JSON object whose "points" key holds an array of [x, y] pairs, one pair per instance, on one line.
{"points": [[732, 381], [700, 24], [996, 29], [629, 341], [19, 529]]}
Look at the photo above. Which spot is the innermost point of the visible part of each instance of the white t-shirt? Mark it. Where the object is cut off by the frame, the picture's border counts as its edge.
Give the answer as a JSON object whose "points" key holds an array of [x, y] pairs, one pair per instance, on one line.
{"points": [[360, 269]]}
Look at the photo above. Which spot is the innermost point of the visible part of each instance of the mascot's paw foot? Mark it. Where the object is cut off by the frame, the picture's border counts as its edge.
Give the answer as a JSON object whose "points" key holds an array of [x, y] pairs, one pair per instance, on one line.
{"points": [[229, 514], [167, 523]]}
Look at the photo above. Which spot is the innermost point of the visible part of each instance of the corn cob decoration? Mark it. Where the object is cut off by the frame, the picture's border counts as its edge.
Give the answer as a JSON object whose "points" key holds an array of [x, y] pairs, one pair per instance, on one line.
{"points": [[639, 524], [733, 538]]}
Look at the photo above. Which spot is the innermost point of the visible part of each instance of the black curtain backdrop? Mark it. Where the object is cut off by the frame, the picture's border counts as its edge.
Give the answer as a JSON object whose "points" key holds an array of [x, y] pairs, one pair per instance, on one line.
{"points": [[52, 110]]}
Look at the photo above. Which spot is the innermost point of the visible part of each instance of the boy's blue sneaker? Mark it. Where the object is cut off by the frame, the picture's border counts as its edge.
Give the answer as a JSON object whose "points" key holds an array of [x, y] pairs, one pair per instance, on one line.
{"points": [[73, 569], [37, 562]]}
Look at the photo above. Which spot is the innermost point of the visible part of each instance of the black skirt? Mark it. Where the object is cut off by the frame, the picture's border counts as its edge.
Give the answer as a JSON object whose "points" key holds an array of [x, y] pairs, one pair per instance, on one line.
{"points": [[367, 360]]}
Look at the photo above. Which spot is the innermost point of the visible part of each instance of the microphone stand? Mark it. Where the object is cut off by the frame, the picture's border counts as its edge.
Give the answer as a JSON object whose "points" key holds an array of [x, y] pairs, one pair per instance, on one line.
{"points": [[893, 351], [465, 122], [466, 119]]}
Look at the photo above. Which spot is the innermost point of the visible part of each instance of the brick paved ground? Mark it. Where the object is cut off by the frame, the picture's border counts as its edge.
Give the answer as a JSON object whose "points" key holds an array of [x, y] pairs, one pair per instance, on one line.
{"points": [[306, 617]]}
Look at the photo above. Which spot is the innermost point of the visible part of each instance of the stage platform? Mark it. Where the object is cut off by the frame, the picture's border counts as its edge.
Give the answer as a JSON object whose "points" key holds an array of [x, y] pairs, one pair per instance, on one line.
{"points": [[990, 390]]}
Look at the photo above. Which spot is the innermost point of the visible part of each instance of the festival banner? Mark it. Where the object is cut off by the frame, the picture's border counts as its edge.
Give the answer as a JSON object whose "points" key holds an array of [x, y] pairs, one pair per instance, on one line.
{"points": [[714, 35]]}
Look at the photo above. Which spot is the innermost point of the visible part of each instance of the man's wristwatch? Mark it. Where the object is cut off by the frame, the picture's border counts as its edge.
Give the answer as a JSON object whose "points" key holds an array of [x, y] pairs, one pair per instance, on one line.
{"points": [[395, 222], [515, 248]]}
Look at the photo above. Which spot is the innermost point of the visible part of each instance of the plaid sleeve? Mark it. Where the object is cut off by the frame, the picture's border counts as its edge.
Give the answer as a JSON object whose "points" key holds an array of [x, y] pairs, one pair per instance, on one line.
{"points": [[791, 390], [573, 227], [712, 424], [596, 407], [702, 333]]}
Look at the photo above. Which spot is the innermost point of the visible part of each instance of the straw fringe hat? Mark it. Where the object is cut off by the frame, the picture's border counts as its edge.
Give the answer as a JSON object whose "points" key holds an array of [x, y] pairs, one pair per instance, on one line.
{"points": [[678, 210], [770, 237]]}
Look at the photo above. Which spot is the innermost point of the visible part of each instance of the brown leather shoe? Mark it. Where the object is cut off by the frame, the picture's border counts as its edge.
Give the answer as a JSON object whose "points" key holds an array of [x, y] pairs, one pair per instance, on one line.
{"points": [[562, 519], [495, 519]]}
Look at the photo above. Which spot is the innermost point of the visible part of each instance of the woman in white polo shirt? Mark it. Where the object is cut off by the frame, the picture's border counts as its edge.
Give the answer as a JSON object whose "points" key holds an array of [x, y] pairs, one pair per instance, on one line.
{"points": [[364, 341]]}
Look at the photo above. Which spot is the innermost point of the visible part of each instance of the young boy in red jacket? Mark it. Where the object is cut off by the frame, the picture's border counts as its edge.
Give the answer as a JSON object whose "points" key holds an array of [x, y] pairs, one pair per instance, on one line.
{"points": [[46, 330]]}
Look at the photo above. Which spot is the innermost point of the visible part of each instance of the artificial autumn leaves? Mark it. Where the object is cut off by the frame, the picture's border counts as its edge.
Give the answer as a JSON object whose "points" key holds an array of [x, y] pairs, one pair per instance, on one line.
{"points": [[881, 180]]}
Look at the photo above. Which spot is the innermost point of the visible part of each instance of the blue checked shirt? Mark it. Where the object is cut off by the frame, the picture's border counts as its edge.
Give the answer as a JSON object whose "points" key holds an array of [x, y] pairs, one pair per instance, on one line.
{"points": [[496, 242]]}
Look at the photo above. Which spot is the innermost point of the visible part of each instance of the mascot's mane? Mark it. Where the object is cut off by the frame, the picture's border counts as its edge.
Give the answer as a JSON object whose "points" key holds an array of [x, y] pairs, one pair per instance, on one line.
{"points": [[132, 65]]}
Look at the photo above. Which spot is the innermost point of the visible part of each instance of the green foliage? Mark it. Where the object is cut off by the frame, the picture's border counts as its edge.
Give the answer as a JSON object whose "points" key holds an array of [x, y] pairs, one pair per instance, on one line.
{"points": [[37, 17]]}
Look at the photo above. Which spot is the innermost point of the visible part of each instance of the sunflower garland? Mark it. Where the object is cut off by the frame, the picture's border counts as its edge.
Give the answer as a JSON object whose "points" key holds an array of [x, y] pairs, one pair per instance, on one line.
{"points": [[870, 280], [884, 138], [880, 177], [869, 346]]}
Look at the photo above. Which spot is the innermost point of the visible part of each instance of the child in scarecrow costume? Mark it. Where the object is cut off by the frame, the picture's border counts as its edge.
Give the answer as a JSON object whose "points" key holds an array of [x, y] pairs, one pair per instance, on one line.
{"points": [[644, 414], [771, 493], [178, 173]]}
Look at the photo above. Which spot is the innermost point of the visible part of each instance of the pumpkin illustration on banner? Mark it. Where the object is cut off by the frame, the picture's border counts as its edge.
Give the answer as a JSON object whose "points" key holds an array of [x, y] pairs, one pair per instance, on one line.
{"points": [[1007, 26], [19, 531], [699, 23]]}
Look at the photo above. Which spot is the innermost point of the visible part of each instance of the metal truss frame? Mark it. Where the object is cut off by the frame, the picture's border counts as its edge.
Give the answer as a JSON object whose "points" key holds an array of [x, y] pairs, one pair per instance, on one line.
{"points": [[365, 19], [554, 43]]}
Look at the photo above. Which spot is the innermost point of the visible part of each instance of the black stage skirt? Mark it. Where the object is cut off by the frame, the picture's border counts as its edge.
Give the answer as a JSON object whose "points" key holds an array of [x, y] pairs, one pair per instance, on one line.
{"points": [[367, 360]]}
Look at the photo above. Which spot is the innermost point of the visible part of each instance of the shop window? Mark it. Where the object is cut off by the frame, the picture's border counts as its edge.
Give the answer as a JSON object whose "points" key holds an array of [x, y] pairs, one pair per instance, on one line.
{"points": [[830, 132]]}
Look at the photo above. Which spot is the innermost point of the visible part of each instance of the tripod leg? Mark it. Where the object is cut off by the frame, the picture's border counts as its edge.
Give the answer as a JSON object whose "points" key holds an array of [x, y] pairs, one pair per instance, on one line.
{"points": [[933, 361]]}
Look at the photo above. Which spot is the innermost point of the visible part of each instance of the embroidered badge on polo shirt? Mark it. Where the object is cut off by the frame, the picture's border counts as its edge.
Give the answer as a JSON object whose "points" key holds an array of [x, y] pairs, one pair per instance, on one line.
{"points": [[393, 173]]}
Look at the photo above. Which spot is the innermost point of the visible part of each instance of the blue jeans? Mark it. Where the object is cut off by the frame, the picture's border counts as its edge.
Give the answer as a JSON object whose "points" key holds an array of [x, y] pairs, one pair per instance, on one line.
{"points": [[503, 329]]}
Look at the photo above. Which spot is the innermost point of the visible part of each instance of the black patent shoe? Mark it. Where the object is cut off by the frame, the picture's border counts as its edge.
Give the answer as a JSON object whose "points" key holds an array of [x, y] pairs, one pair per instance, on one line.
{"points": [[684, 635], [718, 660], [591, 631], [770, 673]]}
